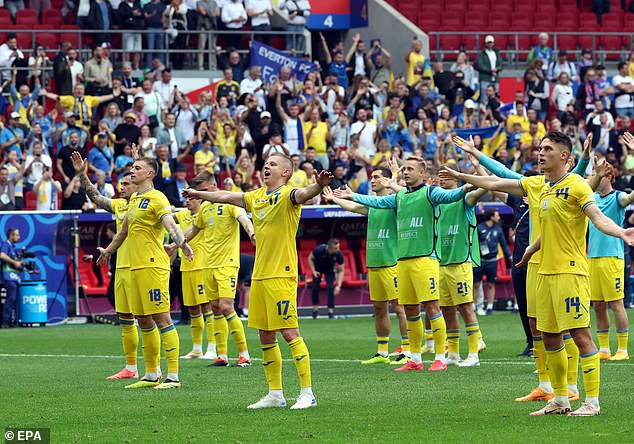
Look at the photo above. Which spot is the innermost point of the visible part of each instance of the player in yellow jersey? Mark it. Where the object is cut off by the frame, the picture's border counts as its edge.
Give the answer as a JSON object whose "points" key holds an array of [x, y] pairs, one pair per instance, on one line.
{"points": [[562, 281], [220, 224], [193, 280], [149, 215], [276, 209], [119, 207]]}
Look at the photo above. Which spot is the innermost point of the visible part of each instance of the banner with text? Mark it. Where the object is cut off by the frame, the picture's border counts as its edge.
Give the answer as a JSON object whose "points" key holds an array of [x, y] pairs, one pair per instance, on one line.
{"points": [[271, 61]]}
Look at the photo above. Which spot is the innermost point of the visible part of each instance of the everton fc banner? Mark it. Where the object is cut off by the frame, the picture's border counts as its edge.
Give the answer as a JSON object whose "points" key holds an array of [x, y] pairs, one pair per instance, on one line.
{"points": [[271, 61]]}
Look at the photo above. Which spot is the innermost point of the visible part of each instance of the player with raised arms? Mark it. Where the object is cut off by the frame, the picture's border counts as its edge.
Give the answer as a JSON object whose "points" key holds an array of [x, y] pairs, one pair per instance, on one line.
{"points": [[562, 282], [275, 210], [149, 214]]}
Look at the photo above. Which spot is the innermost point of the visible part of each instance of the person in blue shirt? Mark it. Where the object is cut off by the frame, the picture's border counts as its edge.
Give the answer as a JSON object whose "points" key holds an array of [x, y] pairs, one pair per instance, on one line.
{"points": [[100, 157], [11, 267], [542, 51], [606, 263], [12, 136], [335, 63], [123, 160]]}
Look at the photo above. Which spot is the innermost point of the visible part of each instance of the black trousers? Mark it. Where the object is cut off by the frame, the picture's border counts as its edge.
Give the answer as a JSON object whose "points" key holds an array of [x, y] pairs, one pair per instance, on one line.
{"points": [[330, 287], [519, 285]]}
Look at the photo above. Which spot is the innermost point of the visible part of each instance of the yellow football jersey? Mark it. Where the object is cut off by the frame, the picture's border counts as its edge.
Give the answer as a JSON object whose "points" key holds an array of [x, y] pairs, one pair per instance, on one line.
{"points": [[185, 220], [120, 209], [298, 179], [275, 220], [221, 230], [146, 231], [564, 226], [532, 187]]}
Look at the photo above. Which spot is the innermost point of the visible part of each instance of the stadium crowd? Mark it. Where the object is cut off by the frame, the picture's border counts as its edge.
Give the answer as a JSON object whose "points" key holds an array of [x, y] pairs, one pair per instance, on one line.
{"points": [[350, 116]]}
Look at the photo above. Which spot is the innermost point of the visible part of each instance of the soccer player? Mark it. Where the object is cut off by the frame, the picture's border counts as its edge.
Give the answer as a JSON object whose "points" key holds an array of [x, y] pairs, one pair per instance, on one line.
{"points": [[149, 214], [532, 187], [276, 209], [220, 224], [459, 253], [381, 260], [418, 253], [605, 258], [122, 282], [193, 281], [562, 281]]}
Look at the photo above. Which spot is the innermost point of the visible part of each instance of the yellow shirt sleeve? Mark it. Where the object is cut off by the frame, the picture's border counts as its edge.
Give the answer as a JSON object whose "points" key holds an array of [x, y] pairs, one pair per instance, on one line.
{"points": [[92, 101], [248, 201], [66, 101], [582, 193], [161, 206]]}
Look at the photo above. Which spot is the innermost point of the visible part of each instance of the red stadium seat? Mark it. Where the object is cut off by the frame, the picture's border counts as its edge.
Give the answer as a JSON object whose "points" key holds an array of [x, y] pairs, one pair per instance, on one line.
{"points": [[452, 20], [544, 21], [5, 23], [567, 42], [5, 14], [26, 16], [521, 22], [71, 37], [30, 200], [350, 275], [505, 7], [450, 42], [588, 21], [567, 21], [48, 41]]}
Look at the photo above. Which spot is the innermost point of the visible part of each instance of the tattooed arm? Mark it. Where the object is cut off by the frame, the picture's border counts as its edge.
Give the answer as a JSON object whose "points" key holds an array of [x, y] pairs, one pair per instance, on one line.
{"points": [[92, 192]]}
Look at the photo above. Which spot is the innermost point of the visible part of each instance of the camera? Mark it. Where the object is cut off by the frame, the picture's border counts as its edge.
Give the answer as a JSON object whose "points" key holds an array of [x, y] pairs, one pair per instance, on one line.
{"points": [[22, 256]]}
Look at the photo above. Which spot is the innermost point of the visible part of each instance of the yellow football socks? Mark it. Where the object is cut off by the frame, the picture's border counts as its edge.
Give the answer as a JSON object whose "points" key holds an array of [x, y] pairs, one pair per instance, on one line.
{"points": [[573, 359], [169, 338], [151, 348], [604, 340], [221, 330], [130, 339], [415, 334], [405, 344], [558, 370], [302, 361], [237, 331], [439, 331], [197, 325], [453, 340], [272, 363], [209, 326], [382, 345], [540, 355], [622, 337], [473, 333], [591, 367]]}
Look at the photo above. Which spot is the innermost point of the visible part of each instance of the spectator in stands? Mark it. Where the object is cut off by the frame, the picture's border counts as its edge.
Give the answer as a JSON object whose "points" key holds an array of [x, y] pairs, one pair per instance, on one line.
{"points": [[311, 158], [326, 260], [600, 7], [24, 100], [537, 93], [459, 91], [73, 73], [83, 9], [260, 11], [227, 87], [123, 160], [366, 130], [603, 135], [155, 38], [131, 19], [234, 17], [542, 51], [379, 62], [141, 117], [80, 104], [417, 63], [253, 85], [489, 64], [122, 101], [15, 167], [61, 71], [35, 164], [562, 64], [153, 104], [186, 117], [589, 92], [70, 125], [74, 197], [297, 13], [526, 141], [147, 143], [126, 133], [624, 91], [317, 133], [14, 6], [585, 62], [174, 189], [113, 116], [442, 78], [335, 63], [463, 65], [100, 18], [166, 166], [356, 58], [9, 53], [64, 161], [205, 159], [166, 86], [208, 10], [171, 137], [562, 94], [236, 63], [175, 18], [101, 158], [12, 136], [105, 189], [47, 189]]}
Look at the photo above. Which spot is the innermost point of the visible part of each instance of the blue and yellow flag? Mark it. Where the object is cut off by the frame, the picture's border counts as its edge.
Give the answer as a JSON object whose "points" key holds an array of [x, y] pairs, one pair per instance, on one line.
{"points": [[491, 142]]}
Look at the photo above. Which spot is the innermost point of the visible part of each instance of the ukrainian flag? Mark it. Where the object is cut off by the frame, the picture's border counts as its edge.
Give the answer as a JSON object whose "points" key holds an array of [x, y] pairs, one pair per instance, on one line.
{"points": [[491, 142]]}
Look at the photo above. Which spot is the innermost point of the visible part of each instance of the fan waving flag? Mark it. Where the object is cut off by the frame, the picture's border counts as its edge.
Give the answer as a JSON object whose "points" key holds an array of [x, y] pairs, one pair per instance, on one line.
{"points": [[271, 61], [491, 141]]}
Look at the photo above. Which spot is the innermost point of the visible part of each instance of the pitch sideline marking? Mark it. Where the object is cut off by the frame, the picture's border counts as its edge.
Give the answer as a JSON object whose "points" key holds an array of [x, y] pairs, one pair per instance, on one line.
{"points": [[499, 361]]}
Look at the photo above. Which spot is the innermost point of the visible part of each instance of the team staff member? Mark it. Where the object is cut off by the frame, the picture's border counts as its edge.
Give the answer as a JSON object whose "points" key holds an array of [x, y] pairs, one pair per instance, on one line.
{"points": [[276, 208], [122, 279], [326, 260], [11, 268], [149, 215]]}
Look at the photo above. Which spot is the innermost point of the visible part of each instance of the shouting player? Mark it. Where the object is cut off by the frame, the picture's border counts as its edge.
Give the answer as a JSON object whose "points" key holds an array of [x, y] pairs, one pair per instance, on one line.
{"points": [[149, 214], [276, 209]]}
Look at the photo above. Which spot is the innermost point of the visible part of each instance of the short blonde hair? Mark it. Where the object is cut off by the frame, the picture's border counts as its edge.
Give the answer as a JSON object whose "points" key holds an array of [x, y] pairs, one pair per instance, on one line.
{"points": [[419, 160]]}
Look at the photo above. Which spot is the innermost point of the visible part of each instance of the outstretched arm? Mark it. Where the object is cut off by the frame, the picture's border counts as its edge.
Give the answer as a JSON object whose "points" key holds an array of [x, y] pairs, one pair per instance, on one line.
{"points": [[439, 195], [227, 197], [474, 196], [343, 203], [305, 194], [490, 164], [491, 183], [607, 225], [582, 165], [81, 165]]}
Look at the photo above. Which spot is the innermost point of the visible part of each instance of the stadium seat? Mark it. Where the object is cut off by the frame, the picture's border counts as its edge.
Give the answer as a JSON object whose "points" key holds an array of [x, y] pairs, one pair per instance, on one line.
{"points": [[5, 14], [5, 23], [30, 200], [48, 41], [567, 21], [544, 21], [451, 21], [307, 244], [26, 16], [567, 42], [350, 275], [450, 42], [503, 273], [521, 22]]}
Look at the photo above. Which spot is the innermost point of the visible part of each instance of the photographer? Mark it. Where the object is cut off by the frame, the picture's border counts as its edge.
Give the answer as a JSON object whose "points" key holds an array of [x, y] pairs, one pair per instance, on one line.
{"points": [[11, 266]]}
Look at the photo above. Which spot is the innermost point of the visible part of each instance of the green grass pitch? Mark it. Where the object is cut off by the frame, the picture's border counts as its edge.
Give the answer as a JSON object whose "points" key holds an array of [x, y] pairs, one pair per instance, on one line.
{"points": [[49, 379]]}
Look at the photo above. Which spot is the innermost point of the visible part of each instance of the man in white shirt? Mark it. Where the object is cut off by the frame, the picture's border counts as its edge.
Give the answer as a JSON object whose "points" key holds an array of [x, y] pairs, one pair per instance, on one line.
{"points": [[252, 84], [186, 118], [75, 66], [366, 131], [358, 56], [47, 191], [298, 12], [35, 165], [562, 64], [165, 86], [153, 104], [594, 118], [259, 11], [624, 86], [9, 52], [234, 16], [105, 189]]}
